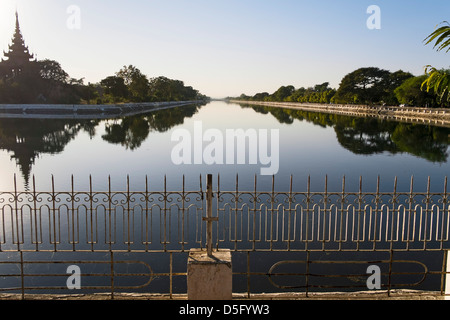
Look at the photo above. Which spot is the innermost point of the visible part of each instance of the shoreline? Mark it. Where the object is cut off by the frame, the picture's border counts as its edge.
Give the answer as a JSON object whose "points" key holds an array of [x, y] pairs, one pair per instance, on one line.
{"points": [[65, 111], [437, 117]]}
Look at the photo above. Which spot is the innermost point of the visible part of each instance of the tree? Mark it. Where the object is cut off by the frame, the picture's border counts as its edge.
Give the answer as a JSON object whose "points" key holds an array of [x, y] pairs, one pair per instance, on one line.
{"points": [[282, 93], [297, 95], [115, 87], [160, 89], [137, 83], [129, 74], [322, 87], [52, 70], [370, 85], [165, 89], [260, 96], [396, 79], [363, 86], [244, 97], [439, 80], [410, 93], [139, 89]]}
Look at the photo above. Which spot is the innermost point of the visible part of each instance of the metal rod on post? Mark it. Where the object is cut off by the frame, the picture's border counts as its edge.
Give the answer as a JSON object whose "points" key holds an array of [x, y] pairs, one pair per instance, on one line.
{"points": [[209, 215], [209, 277]]}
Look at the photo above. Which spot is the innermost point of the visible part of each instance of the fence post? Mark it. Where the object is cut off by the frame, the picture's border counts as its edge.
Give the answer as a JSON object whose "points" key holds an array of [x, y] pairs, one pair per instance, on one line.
{"points": [[209, 273], [209, 216]]}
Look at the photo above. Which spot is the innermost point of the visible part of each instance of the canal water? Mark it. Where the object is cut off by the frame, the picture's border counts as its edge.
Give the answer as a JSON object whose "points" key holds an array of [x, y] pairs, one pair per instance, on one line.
{"points": [[310, 144], [145, 150]]}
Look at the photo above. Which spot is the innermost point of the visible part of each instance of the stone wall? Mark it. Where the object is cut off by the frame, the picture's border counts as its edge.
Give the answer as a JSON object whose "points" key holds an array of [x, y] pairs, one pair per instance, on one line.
{"points": [[50, 111], [439, 117]]}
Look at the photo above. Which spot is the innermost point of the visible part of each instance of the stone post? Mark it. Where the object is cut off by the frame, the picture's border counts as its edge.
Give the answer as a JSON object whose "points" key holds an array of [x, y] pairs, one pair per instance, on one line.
{"points": [[210, 277], [209, 273]]}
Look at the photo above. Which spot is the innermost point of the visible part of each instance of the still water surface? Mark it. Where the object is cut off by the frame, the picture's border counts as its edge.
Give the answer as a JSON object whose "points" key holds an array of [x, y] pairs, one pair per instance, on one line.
{"points": [[311, 144]]}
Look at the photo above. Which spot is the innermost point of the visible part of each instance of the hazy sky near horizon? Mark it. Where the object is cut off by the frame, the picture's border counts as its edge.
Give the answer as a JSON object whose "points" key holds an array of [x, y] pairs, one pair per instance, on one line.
{"points": [[228, 47]]}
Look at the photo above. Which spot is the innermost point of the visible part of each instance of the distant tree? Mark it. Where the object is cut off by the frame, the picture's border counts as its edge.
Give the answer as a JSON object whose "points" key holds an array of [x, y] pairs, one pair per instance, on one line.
{"points": [[410, 93], [137, 83], [396, 79], [282, 93], [76, 82], [129, 74], [327, 96], [190, 93], [322, 87], [42, 81], [364, 86], [115, 87], [165, 89], [244, 97], [52, 70], [260, 96], [160, 89], [139, 89]]}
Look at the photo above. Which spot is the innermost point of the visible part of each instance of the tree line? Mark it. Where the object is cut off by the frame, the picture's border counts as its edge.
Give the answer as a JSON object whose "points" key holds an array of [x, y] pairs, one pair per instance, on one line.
{"points": [[373, 85], [367, 86], [46, 81], [368, 136], [130, 85]]}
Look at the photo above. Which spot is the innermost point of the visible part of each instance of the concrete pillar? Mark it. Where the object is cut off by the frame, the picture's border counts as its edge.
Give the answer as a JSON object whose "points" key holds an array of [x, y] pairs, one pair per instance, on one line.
{"points": [[209, 277]]}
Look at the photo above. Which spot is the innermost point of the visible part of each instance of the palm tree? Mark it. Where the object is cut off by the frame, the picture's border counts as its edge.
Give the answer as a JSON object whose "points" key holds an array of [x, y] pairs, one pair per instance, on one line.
{"points": [[439, 80]]}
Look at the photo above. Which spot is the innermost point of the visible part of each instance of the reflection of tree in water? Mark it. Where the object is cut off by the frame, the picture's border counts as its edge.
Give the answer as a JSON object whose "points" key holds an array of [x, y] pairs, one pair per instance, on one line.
{"points": [[131, 132], [280, 114], [426, 142], [164, 120], [373, 136], [366, 136], [26, 139], [423, 141]]}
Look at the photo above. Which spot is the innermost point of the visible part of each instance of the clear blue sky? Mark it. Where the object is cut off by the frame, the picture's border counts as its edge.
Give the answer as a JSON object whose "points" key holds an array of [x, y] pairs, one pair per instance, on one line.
{"points": [[228, 47]]}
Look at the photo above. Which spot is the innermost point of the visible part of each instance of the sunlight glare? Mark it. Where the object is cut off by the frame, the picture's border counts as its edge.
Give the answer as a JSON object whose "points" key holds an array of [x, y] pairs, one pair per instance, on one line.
{"points": [[7, 20]]}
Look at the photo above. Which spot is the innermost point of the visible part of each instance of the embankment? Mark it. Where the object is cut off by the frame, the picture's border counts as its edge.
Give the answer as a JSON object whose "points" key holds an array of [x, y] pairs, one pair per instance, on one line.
{"points": [[62, 111], [437, 117]]}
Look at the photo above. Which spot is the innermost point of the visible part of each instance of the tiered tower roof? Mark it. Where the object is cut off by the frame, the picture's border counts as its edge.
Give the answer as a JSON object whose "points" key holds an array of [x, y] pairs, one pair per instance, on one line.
{"points": [[18, 53]]}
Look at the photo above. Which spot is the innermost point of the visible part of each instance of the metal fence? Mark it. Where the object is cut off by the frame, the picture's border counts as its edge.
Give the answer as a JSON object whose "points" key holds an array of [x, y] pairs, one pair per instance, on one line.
{"points": [[281, 241]]}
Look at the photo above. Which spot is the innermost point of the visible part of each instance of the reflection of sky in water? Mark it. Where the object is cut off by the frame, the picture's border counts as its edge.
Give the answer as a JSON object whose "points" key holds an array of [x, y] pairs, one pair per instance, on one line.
{"points": [[305, 149]]}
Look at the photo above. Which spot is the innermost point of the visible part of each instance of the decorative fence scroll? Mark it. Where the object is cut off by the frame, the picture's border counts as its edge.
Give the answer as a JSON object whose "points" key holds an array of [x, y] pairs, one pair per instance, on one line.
{"points": [[162, 221]]}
